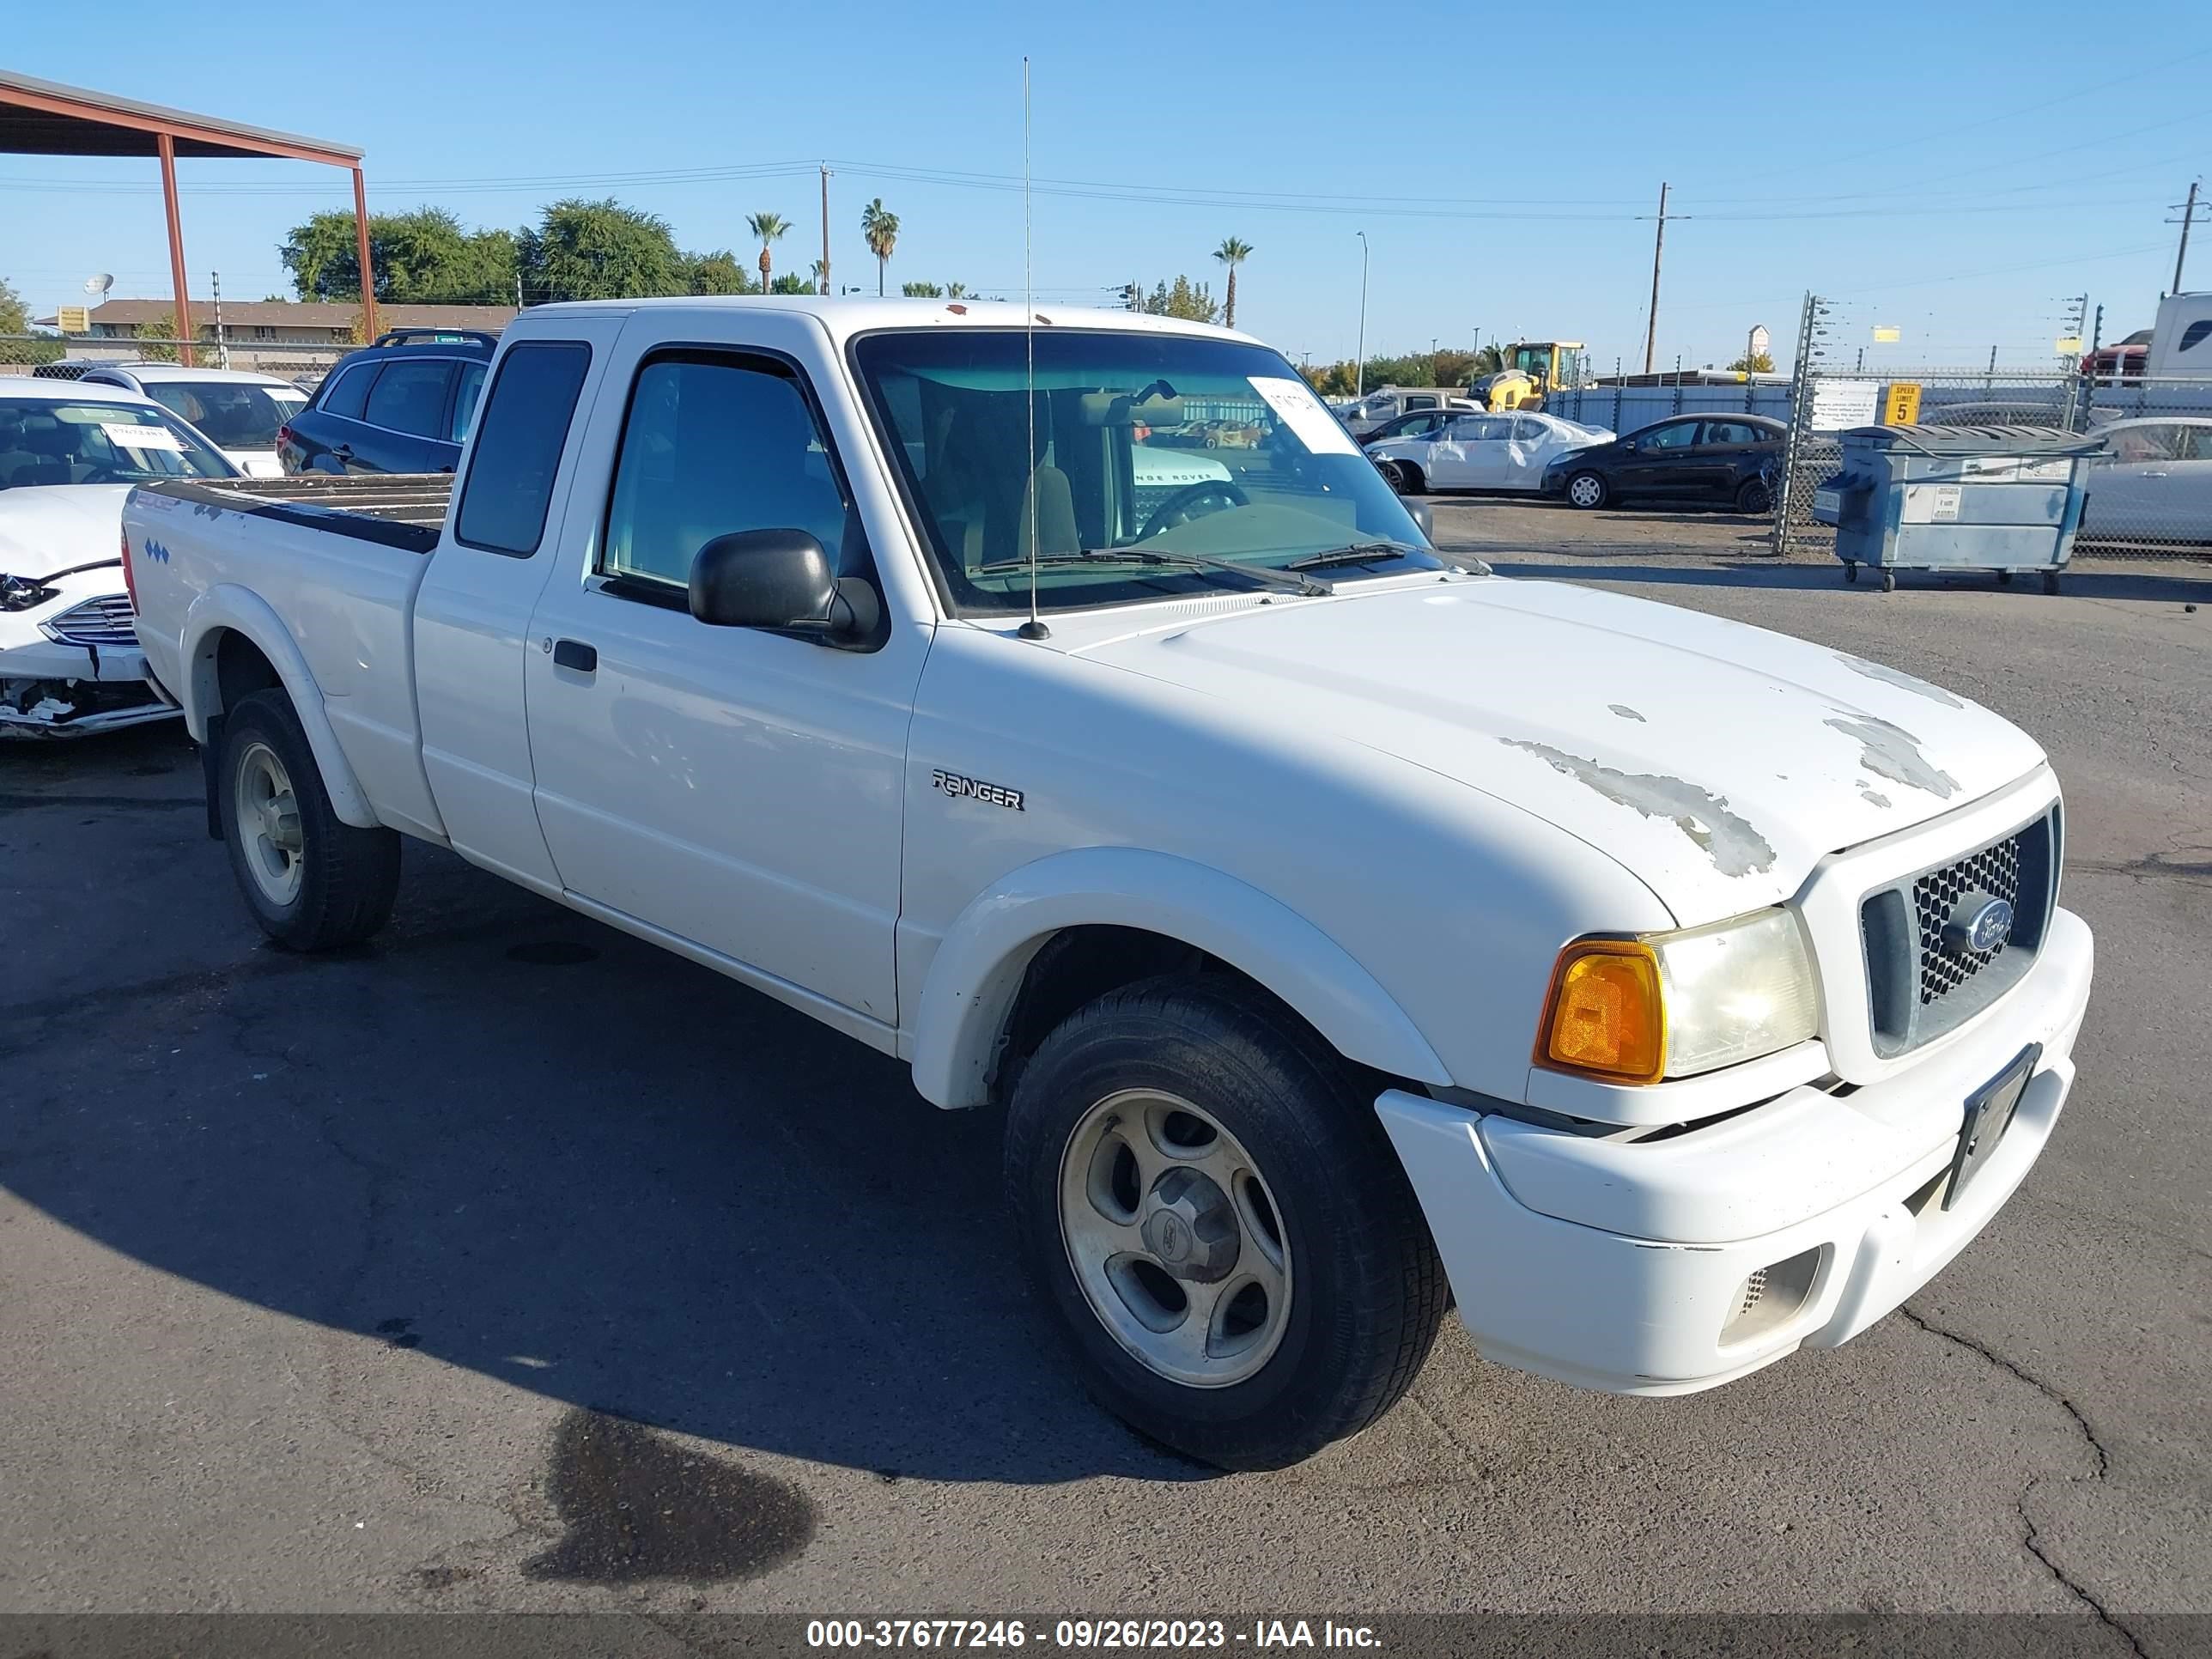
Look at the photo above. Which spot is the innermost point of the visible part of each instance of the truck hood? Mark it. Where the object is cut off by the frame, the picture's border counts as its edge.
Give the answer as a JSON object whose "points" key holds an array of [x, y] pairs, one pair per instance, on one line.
{"points": [[1715, 761], [49, 528]]}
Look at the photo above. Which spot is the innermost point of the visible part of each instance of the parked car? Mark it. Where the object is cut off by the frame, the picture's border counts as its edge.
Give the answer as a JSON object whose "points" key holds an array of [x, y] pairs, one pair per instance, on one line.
{"points": [[1367, 416], [1414, 423], [402, 404], [1482, 452], [70, 452], [240, 411], [2153, 484], [1709, 460], [1245, 854]]}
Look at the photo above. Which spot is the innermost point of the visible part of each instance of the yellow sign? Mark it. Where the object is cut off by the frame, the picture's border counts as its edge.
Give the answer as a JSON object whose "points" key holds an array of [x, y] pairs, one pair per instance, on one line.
{"points": [[1901, 403], [1884, 335], [2067, 345], [73, 319]]}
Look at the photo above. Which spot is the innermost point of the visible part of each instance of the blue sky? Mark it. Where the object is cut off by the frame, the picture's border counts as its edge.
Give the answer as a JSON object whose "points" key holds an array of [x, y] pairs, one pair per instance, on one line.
{"points": [[1955, 170]]}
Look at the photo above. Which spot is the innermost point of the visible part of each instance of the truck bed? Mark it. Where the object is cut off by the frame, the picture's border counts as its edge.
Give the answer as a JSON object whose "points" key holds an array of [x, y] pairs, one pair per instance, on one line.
{"points": [[396, 509]]}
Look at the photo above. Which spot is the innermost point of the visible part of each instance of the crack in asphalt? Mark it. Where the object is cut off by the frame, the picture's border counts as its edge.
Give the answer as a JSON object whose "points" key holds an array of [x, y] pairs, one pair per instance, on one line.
{"points": [[2031, 1539]]}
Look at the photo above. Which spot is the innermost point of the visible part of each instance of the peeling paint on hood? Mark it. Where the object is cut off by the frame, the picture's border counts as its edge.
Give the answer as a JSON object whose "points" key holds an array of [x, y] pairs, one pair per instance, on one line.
{"points": [[1756, 754], [1736, 848], [1898, 676]]}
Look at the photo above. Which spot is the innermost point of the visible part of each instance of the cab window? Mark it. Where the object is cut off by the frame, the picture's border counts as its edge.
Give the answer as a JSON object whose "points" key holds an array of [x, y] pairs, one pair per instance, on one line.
{"points": [[713, 446]]}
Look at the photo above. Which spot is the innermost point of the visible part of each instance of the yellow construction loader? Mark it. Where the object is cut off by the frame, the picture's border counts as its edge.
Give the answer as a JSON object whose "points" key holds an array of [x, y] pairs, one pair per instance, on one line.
{"points": [[1532, 368]]}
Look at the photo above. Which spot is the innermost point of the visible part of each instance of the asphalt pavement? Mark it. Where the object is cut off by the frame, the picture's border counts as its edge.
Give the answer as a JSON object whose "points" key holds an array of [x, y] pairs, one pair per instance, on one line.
{"points": [[509, 1263]]}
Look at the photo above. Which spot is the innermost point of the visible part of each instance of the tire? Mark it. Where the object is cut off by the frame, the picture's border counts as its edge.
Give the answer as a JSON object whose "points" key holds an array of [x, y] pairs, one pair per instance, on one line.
{"points": [[1406, 478], [1851, 572], [312, 882], [1889, 582], [1753, 496], [1588, 490], [1309, 1250]]}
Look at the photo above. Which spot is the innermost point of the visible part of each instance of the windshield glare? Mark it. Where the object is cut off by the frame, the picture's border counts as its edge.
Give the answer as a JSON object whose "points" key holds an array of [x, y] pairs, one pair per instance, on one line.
{"points": [[1157, 443], [235, 414], [59, 443]]}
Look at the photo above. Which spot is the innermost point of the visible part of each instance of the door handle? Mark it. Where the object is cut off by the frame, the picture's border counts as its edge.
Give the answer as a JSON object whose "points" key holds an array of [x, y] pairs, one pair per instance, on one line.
{"points": [[574, 653]]}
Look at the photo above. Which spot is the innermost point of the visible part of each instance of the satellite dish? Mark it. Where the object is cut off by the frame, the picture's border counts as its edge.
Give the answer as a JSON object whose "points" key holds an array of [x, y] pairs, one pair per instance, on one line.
{"points": [[98, 286]]}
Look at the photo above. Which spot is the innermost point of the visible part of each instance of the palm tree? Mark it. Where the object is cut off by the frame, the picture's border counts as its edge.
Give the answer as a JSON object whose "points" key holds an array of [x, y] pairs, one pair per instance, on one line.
{"points": [[768, 226], [955, 291], [821, 272], [880, 225], [1232, 254]]}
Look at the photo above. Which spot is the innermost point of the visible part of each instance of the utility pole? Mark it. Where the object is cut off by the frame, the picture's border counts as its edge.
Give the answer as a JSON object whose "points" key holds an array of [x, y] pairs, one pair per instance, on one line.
{"points": [[2188, 215], [825, 228], [1658, 247], [221, 350]]}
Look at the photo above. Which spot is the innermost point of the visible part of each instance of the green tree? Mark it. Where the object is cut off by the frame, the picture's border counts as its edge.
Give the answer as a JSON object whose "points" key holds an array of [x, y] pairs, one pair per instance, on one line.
{"points": [[821, 275], [423, 258], [1758, 362], [14, 317], [768, 227], [955, 291], [880, 227], [1232, 254], [790, 283], [163, 327], [719, 272], [1332, 379], [581, 250], [1488, 360], [1192, 301], [921, 290]]}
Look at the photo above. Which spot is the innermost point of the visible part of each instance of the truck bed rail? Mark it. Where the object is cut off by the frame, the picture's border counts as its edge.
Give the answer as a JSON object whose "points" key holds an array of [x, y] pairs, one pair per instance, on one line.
{"points": [[396, 509]]}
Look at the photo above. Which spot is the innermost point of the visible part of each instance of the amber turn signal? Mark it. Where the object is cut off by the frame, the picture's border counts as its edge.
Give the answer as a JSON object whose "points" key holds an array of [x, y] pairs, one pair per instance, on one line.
{"points": [[1605, 1017]]}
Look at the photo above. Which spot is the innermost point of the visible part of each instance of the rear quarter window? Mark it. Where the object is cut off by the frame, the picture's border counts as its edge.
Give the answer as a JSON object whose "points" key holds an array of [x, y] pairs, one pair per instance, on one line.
{"points": [[347, 394], [522, 429]]}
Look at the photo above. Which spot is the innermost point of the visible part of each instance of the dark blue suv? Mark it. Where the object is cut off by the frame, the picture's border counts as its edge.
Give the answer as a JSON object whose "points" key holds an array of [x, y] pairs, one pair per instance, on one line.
{"points": [[402, 404]]}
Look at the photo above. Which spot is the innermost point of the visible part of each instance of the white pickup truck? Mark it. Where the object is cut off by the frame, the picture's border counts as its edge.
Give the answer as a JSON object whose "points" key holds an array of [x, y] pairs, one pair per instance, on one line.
{"points": [[1342, 928]]}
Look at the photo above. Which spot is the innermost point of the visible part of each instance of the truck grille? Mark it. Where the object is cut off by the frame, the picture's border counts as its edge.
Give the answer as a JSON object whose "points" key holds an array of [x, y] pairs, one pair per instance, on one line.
{"points": [[104, 623], [1919, 984], [1994, 870]]}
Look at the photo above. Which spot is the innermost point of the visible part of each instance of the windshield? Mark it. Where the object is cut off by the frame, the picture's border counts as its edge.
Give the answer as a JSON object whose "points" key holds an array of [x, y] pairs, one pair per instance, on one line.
{"points": [[236, 414], [1158, 444], [58, 443]]}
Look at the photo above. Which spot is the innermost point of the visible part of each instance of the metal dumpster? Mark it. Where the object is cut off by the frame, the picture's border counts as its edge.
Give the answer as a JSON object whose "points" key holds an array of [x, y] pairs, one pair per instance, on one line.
{"points": [[2001, 498]]}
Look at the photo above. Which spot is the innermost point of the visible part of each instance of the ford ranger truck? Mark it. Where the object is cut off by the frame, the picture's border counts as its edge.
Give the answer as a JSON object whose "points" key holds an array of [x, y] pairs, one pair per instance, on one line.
{"points": [[1343, 930]]}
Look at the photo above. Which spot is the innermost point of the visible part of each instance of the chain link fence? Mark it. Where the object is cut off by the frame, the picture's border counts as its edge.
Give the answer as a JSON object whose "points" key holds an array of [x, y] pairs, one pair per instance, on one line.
{"points": [[50, 356], [2150, 491]]}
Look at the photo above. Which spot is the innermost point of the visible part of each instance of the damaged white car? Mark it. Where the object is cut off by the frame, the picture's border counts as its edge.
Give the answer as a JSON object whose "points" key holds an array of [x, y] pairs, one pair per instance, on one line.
{"points": [[69, 661]]}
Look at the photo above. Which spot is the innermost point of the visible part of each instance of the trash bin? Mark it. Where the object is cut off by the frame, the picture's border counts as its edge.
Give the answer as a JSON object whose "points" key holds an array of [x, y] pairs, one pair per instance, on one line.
{"points": [[2000, 498]]}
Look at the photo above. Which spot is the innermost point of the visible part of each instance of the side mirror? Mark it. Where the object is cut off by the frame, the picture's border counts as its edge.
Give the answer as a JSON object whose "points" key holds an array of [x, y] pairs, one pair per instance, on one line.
{"points": [[1425, 517], [782, 579]]}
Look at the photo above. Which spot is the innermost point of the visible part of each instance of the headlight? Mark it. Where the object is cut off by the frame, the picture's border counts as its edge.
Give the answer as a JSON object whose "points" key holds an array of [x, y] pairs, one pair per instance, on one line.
{"points": [[1675, 1004]]}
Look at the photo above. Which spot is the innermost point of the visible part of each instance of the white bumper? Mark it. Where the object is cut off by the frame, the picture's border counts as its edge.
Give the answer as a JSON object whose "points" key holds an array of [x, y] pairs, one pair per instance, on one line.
{"points": [[1623, 1265]]}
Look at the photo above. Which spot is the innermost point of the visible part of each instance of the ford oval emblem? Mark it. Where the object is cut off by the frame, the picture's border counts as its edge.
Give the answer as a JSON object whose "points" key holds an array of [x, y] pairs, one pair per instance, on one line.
{"points": [[1980, 924]]}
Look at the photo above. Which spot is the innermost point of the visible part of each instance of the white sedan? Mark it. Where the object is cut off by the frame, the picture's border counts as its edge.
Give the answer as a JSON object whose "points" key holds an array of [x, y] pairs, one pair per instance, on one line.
{"points": [[69, 661], [1482, 452], [239, 411], [2153, 482]]}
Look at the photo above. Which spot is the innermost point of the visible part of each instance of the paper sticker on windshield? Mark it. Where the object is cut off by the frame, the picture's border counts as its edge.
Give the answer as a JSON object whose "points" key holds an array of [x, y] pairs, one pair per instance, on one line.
{"points": [[1304, 414], [125, 434]]}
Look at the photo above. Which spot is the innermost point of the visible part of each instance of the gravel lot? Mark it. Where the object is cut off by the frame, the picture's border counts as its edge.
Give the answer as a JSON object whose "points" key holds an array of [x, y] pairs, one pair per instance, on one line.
{"points": [[512, 1264]]}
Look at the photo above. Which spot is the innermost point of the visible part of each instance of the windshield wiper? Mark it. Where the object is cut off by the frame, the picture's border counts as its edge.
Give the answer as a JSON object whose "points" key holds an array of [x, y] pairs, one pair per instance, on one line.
{"points": [[1375, 552], [1268, 576]]}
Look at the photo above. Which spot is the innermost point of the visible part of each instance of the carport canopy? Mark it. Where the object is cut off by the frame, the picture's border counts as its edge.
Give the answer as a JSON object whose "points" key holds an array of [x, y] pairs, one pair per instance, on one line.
{"points": [[43, 118]]}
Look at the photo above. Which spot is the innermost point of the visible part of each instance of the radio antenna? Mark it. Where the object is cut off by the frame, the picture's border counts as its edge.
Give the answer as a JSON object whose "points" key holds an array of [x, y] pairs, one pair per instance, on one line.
{"points": [[1033, 628]]}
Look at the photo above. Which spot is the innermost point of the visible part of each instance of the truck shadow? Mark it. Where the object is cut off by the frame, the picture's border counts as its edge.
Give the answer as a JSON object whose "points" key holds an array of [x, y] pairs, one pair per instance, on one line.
{"points": [[506, 1138], [1618, 564]]}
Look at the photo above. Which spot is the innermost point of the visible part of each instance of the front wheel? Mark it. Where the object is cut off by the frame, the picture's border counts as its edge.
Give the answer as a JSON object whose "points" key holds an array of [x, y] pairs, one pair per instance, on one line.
{"points": [[1753, 496], [312, 881], [1586, 490], [1405, 477], [1213, 1209]]}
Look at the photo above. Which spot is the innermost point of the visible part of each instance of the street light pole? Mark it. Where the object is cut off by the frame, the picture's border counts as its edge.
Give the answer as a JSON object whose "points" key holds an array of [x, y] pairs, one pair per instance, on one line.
{"points": [[1359, 372]]}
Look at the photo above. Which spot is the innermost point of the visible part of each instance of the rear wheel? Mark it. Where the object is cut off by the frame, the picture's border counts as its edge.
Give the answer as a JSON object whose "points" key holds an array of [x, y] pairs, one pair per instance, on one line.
{"points": [[1211, 1208], [1586, 490], [1753, 496], [312, 881]]}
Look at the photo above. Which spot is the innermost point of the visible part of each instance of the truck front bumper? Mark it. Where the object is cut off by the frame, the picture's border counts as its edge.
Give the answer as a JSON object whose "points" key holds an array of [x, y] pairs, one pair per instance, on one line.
{"points": [[1666, 1265]]}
